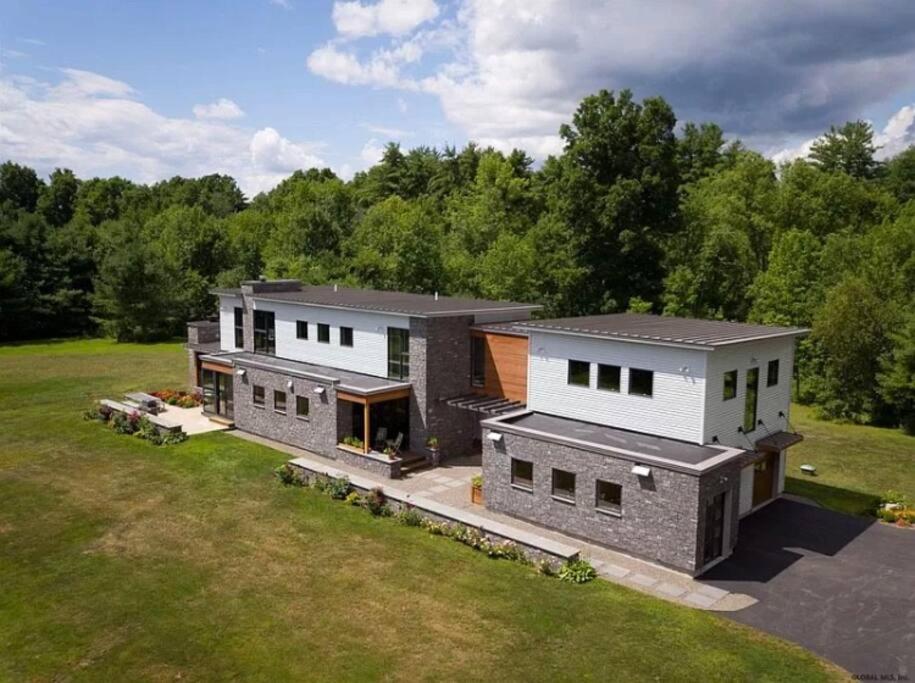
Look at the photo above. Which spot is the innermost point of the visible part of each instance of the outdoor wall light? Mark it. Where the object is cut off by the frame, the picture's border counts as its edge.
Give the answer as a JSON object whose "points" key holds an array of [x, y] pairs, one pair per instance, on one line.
{"points": [[241, 373], [494, 436], [289, 385], [319, 390], [641, 471]]}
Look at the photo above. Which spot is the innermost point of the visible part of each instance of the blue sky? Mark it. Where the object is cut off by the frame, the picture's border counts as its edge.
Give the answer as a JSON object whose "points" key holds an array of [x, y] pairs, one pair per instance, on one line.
{"points": [[260, 87]]}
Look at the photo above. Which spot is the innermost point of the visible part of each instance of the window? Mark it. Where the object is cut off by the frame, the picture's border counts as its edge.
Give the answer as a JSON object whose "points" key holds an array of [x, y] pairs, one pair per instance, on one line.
{"points": [[608, 377], [301, 406], [258, 396], [324, 333], [523, 474], [346, 336], [239, 328], [398, 353], [772, 373], [279, 401], [564, 485], [579, 373], [608, 496], [477, 361], [749, 406], [641, 382], [730, 385], [264, 332], [301, 329]]}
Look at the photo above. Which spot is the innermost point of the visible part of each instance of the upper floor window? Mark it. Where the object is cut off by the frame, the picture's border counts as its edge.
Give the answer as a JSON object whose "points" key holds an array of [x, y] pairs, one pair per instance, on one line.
{"points": [[477, 361], [608, 377], [398, 353], [579, 373], [301, 329], [324, 333], [730, 385], [641, 382], [346, 336], [264, 332], [772, 373], [239, 327], [749, 406]]}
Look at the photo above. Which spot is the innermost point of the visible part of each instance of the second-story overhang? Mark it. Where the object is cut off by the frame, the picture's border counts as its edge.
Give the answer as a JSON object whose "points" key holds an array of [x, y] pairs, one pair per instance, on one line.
{"points": [[353, 383], [637, 447]]}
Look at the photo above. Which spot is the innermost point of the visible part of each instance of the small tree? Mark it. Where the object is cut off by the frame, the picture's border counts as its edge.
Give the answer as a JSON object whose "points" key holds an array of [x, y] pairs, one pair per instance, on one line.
{"points": [[897, 375]]}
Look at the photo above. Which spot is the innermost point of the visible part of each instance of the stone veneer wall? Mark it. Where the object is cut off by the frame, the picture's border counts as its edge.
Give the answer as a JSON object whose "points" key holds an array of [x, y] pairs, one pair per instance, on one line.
{"points": [[317, 433], [439, 375], [660, 517]]}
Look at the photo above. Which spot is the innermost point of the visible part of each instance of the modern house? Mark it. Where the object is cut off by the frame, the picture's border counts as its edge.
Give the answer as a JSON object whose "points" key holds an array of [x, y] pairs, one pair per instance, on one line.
{"points": [[649, 434]]}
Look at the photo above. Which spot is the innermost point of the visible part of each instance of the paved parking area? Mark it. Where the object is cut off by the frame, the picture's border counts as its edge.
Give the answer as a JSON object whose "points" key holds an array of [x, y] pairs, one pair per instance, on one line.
{"points": [[841, 586]]}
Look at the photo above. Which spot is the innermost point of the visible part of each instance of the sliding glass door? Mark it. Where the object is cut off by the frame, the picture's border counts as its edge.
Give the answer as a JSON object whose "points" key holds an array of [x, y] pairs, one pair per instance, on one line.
{"points": [[217, 394]]}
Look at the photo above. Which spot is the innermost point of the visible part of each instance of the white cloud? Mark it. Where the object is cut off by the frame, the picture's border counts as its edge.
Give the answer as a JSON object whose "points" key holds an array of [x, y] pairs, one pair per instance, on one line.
{"points": [[371, 153], [394, 17], [285, 4], [386, 131], [94, 125], [32, 41], [222, 109], [515, 70], [12, 54], [401, 105]]}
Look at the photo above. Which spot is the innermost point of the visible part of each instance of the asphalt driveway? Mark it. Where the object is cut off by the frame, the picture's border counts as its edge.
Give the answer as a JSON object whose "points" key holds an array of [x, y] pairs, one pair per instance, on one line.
{"points": [[841, 586]]}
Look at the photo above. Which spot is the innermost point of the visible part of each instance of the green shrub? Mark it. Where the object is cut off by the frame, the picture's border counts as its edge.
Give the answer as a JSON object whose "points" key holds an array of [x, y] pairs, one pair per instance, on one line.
{"points": [[123, 424], [100, 413], [546, 568], [353, 498], [894, 497], [477, 481], [337, 488], [286, 474], [409, 516], [577, 571], [353, 441], [887, 515], [376, 502]]}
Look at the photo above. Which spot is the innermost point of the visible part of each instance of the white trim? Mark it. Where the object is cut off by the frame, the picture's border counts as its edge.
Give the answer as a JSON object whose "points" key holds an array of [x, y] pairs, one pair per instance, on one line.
{"points": [[401, 313]]}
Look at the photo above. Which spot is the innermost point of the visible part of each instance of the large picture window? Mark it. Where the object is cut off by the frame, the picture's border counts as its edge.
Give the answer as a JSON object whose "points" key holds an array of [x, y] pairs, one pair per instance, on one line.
{"points": [[749, 407], [398, 353], [264, 332], [239, 327]]}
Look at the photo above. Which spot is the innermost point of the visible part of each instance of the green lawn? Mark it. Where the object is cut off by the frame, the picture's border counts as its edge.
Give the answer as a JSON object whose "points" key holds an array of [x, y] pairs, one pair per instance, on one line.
{"points": [[123, 561], [855, 464]]}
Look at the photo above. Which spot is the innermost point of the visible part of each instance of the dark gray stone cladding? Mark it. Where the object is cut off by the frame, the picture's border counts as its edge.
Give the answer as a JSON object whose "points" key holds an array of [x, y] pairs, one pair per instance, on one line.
{"points": [[439, 370], [660, 518], [317, 433], [376, 465]]}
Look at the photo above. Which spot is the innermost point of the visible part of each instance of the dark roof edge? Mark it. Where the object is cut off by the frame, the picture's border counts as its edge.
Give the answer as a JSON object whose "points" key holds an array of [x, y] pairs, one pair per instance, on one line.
{"points": [[531, 326], [392, 311]]}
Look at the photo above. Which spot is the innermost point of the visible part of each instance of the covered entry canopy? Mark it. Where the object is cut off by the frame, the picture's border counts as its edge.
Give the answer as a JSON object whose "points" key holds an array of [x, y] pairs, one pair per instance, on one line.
{"points": [[778, 441]]}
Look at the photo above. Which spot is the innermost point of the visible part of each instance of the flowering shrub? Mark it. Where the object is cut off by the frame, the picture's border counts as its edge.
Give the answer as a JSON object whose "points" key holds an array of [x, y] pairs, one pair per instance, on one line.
{"points": [[182, 399], [577, 571]]}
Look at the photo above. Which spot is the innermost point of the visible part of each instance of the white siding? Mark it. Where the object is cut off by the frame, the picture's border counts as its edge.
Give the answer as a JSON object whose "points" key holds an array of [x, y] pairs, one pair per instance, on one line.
{"points": [[368, 354], [722, 418], [675, 410], [227, 306]]}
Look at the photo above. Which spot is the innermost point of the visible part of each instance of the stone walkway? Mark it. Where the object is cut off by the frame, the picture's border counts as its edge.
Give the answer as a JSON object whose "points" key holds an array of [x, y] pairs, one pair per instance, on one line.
{"points": [[450, 485], [192, 420]]}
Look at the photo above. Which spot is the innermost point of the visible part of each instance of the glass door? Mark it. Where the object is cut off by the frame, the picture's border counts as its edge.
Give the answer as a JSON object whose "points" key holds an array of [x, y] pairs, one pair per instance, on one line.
{"points": [[217, 394], [714, 528]]}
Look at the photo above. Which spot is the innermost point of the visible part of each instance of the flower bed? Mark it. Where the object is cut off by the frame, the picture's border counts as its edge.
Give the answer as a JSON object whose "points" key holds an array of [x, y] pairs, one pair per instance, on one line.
{"points": [[375, 501], [133, 423], [182, 399]]}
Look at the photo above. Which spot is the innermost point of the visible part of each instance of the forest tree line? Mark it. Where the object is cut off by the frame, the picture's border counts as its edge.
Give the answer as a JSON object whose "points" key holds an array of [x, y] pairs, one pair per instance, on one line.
{"points": [[633, 215]]}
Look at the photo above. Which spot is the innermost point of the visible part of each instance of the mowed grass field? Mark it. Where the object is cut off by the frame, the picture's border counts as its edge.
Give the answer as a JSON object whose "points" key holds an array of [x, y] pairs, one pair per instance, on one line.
{"points": [[855, 464], [124, 561]]}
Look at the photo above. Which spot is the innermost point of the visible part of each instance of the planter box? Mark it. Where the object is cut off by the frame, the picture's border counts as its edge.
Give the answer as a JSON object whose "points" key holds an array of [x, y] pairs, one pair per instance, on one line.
{"points": [[476, 495], [371, 462]]}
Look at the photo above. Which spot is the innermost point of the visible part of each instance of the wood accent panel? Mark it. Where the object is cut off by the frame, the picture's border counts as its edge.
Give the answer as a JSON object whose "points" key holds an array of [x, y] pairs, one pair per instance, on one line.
{"points": [[224, 369], [505, 366]]}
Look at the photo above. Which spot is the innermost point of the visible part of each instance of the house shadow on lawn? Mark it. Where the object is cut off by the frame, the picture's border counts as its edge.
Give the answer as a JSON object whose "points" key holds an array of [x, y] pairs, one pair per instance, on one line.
{"points": [[833, 497], [773, 539]]}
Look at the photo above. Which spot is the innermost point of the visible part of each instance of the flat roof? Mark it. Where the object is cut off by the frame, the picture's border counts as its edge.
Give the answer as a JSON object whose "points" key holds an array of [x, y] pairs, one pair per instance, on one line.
{"points": [[354, 382], [659, 329], [405, 303], [635, 446]]}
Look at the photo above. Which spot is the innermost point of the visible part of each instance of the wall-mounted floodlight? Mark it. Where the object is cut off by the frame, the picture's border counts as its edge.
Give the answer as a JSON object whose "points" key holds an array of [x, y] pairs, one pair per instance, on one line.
{"points": [[319, 390], [641, 471], [494, 436], [241, 373], [289, 385]]}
